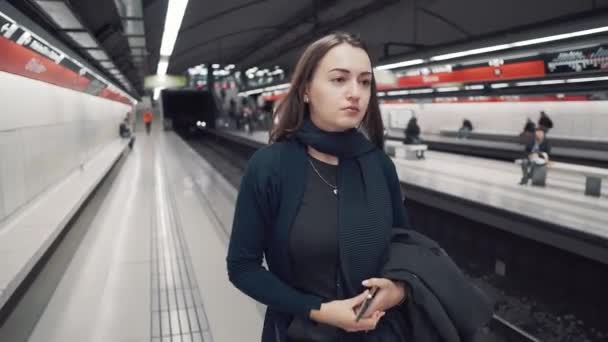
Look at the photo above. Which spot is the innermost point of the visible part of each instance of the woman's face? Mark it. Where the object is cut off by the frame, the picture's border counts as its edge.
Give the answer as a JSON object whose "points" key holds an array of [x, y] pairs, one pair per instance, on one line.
{"points": [[340, 89]]}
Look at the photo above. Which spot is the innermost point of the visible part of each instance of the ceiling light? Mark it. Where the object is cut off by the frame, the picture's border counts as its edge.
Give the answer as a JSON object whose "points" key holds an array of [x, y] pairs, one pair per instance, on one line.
{"points": [[398, 92], [61, 14], [520, 43], [255, 91], [446, 89], [163, 64], [173, 22], [587, 79], [421, 91], [215, 66], [474, 87], [552, 82], [560, 36], [83, 39], [499, 85], [381, 94], [527, 84], [400, 64], [157, 93]]}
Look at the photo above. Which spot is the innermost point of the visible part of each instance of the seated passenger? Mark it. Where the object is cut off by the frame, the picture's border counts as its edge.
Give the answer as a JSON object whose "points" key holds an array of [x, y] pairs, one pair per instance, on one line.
{"points": [[412, 135], [527, 135], [544, 122], [412, 132], [537, 156], [465, 130]]}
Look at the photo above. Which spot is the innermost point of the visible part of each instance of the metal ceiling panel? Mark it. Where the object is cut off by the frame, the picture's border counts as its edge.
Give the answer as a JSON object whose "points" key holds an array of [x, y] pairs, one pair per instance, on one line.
{"points": [[98, 54], [83, 39], [133, 27], [137, 42], [61, 14]]}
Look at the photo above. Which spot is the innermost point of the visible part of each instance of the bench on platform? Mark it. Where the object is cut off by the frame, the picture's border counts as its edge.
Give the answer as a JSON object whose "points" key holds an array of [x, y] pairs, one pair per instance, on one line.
{"points": [[593, 175], [410, 152]]}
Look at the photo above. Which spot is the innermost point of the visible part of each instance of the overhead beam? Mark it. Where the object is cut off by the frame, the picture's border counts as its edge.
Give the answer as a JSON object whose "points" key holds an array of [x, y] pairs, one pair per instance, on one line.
{"points": [[445, 20], [387, 46], [301, 17], [193, 48], [218, 15], [331, 25]]}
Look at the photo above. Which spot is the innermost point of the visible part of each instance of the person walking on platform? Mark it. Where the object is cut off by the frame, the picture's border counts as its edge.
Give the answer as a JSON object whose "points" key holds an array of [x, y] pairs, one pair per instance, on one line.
{"points": [[148, 117], [320, 205], [533, 166]]}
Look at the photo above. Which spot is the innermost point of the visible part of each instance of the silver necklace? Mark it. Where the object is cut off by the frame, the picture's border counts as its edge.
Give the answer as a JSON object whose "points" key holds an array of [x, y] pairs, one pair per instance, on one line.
{"points": [[334, 187]]}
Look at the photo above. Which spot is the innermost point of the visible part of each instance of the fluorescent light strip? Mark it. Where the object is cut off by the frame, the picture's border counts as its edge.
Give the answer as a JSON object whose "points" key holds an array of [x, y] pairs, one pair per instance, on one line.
{"points": [[446, 89], [552, 82], [527, 84], [157, 92], [587, 79], [398, 92], [474, 87], [400, 64], [163, 64], [381, 94], [519, 44], [499, 85], [560, 36], [173, 22], [535, 83], [80, 65], [421, 91], [278, 87]]}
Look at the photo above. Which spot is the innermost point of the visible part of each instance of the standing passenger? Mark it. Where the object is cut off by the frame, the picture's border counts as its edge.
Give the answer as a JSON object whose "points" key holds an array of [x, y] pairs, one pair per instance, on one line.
{"points": [[320, 205]]}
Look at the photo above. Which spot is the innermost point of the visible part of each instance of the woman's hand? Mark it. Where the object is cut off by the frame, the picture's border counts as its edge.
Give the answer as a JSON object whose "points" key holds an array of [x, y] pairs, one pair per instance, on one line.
{"points": [[341, 314], [390, 293]]}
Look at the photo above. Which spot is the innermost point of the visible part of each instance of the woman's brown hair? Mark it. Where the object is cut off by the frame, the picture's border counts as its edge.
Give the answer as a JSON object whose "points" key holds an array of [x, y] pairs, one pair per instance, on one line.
{"points": [[292, 108]]}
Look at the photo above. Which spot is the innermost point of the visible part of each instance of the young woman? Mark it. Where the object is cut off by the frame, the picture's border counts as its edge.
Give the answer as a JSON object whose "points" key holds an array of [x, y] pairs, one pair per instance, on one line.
{"points": [[319, 203]]}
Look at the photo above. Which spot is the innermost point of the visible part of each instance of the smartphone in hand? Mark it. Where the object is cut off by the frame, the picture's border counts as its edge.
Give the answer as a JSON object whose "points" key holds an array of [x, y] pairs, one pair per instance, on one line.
{"points": [[366, 303]]}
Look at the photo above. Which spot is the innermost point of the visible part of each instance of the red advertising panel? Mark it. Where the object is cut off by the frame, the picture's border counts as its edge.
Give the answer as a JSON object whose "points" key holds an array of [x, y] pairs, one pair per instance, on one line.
{"points": [[477, 74]]}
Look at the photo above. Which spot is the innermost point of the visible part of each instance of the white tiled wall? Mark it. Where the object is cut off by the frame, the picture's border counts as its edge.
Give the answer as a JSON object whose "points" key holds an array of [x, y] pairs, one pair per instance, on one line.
{"points": [[45, 132], [572, 118]]}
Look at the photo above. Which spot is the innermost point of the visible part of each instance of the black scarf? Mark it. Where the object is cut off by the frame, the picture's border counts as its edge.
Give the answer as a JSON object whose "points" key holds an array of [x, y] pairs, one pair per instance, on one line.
{"points": [[364, 207]]}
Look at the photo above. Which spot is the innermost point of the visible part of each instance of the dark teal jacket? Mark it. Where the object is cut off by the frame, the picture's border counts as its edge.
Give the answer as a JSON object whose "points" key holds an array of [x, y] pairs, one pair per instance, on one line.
{"points": [[268, 201]]}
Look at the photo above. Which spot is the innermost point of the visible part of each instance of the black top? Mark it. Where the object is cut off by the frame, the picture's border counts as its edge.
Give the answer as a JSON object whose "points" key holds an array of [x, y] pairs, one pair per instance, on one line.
{"points": [[412, 130], [313, 240], [535, 147]]}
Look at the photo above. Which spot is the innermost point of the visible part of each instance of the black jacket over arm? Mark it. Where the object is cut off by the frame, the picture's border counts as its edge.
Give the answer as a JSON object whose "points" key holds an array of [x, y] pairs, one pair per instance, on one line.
{"points": [[442, 302]]}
